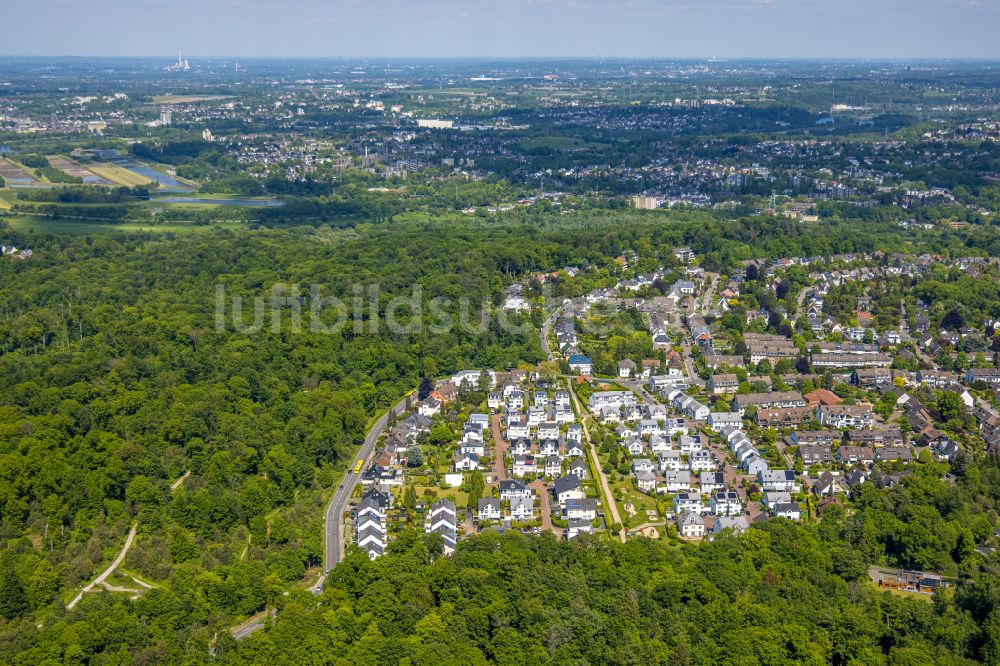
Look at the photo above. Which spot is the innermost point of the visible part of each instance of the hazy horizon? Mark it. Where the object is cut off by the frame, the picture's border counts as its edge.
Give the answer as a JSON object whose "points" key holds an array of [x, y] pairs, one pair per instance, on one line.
{"points": [[671, 29]]}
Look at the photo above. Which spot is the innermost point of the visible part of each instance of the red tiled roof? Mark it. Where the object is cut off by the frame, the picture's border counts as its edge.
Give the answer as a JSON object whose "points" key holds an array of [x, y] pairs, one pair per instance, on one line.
{"points": [[822, 397]]}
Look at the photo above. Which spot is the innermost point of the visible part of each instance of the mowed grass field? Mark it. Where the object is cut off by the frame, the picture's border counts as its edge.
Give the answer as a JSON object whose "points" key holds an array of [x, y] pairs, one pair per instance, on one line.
{"points": [[119, 175]]}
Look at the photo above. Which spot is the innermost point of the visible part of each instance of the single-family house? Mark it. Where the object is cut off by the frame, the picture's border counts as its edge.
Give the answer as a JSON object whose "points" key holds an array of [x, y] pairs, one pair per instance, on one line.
{"points": [[719, 420], [585, 508], [566, 488], [789, 510], [676, 482], [522, 509], [576, 527], [722, 384], [581, 364], [726, 503], [779, 479], [711, 482], [690, 525], [487, 509]]}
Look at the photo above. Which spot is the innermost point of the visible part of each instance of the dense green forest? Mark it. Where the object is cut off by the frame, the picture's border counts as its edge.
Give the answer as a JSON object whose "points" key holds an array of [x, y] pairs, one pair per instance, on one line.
{"points": [[778, 594], [115, 381]]}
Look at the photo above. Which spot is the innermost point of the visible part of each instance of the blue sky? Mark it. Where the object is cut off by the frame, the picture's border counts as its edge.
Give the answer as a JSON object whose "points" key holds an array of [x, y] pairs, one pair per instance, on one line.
{"points": [[643, 28]]}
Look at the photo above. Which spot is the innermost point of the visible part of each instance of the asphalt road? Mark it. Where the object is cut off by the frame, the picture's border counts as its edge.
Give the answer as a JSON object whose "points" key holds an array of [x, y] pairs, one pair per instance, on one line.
{"points": [[544, 334], [253, 624], [800, 301], [638, 387], [333, 550]]}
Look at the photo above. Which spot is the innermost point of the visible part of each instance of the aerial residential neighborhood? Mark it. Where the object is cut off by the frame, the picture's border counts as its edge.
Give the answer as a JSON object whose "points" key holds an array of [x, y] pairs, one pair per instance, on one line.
{"points": [[705, 423], [542, 332]]}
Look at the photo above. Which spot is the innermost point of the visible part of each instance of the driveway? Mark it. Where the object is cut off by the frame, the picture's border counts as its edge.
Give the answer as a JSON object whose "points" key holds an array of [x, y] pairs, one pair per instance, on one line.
{"points": [[543, 493]]}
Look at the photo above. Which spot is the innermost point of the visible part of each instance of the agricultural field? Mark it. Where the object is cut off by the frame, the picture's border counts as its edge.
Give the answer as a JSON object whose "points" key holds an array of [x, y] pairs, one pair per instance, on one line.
{"points": [[15, 175], [119, 175], [76, 170]]}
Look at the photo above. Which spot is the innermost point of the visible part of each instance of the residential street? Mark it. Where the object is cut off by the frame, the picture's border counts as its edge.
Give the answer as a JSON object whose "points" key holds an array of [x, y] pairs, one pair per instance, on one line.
{"points": [[543, 334], [333, 550], [799, 300], [639, 388]]}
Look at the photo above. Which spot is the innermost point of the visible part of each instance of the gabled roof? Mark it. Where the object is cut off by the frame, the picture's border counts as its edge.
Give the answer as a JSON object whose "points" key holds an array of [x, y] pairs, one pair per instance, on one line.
{"points": [[565, 483], [585, 503], [512, 485]]}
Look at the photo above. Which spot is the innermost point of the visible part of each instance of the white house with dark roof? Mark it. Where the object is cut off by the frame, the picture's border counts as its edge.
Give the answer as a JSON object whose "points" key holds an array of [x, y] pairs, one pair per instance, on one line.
{"points": [[488, 509], [585, 509], [782, 480], [702, 460], [574, 433], [690, 525], [566, 488], [688, 502], [442, 519], [511, 488], [466, 462], [711, 482], [726, 503], [578, 526], [789, 510], [719, 420], [522, 509], [676, 482], [670, 461]]}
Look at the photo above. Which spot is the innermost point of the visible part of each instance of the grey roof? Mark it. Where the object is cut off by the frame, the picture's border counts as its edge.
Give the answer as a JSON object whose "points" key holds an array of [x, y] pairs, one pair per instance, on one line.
{"points": [[564, 483]]}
